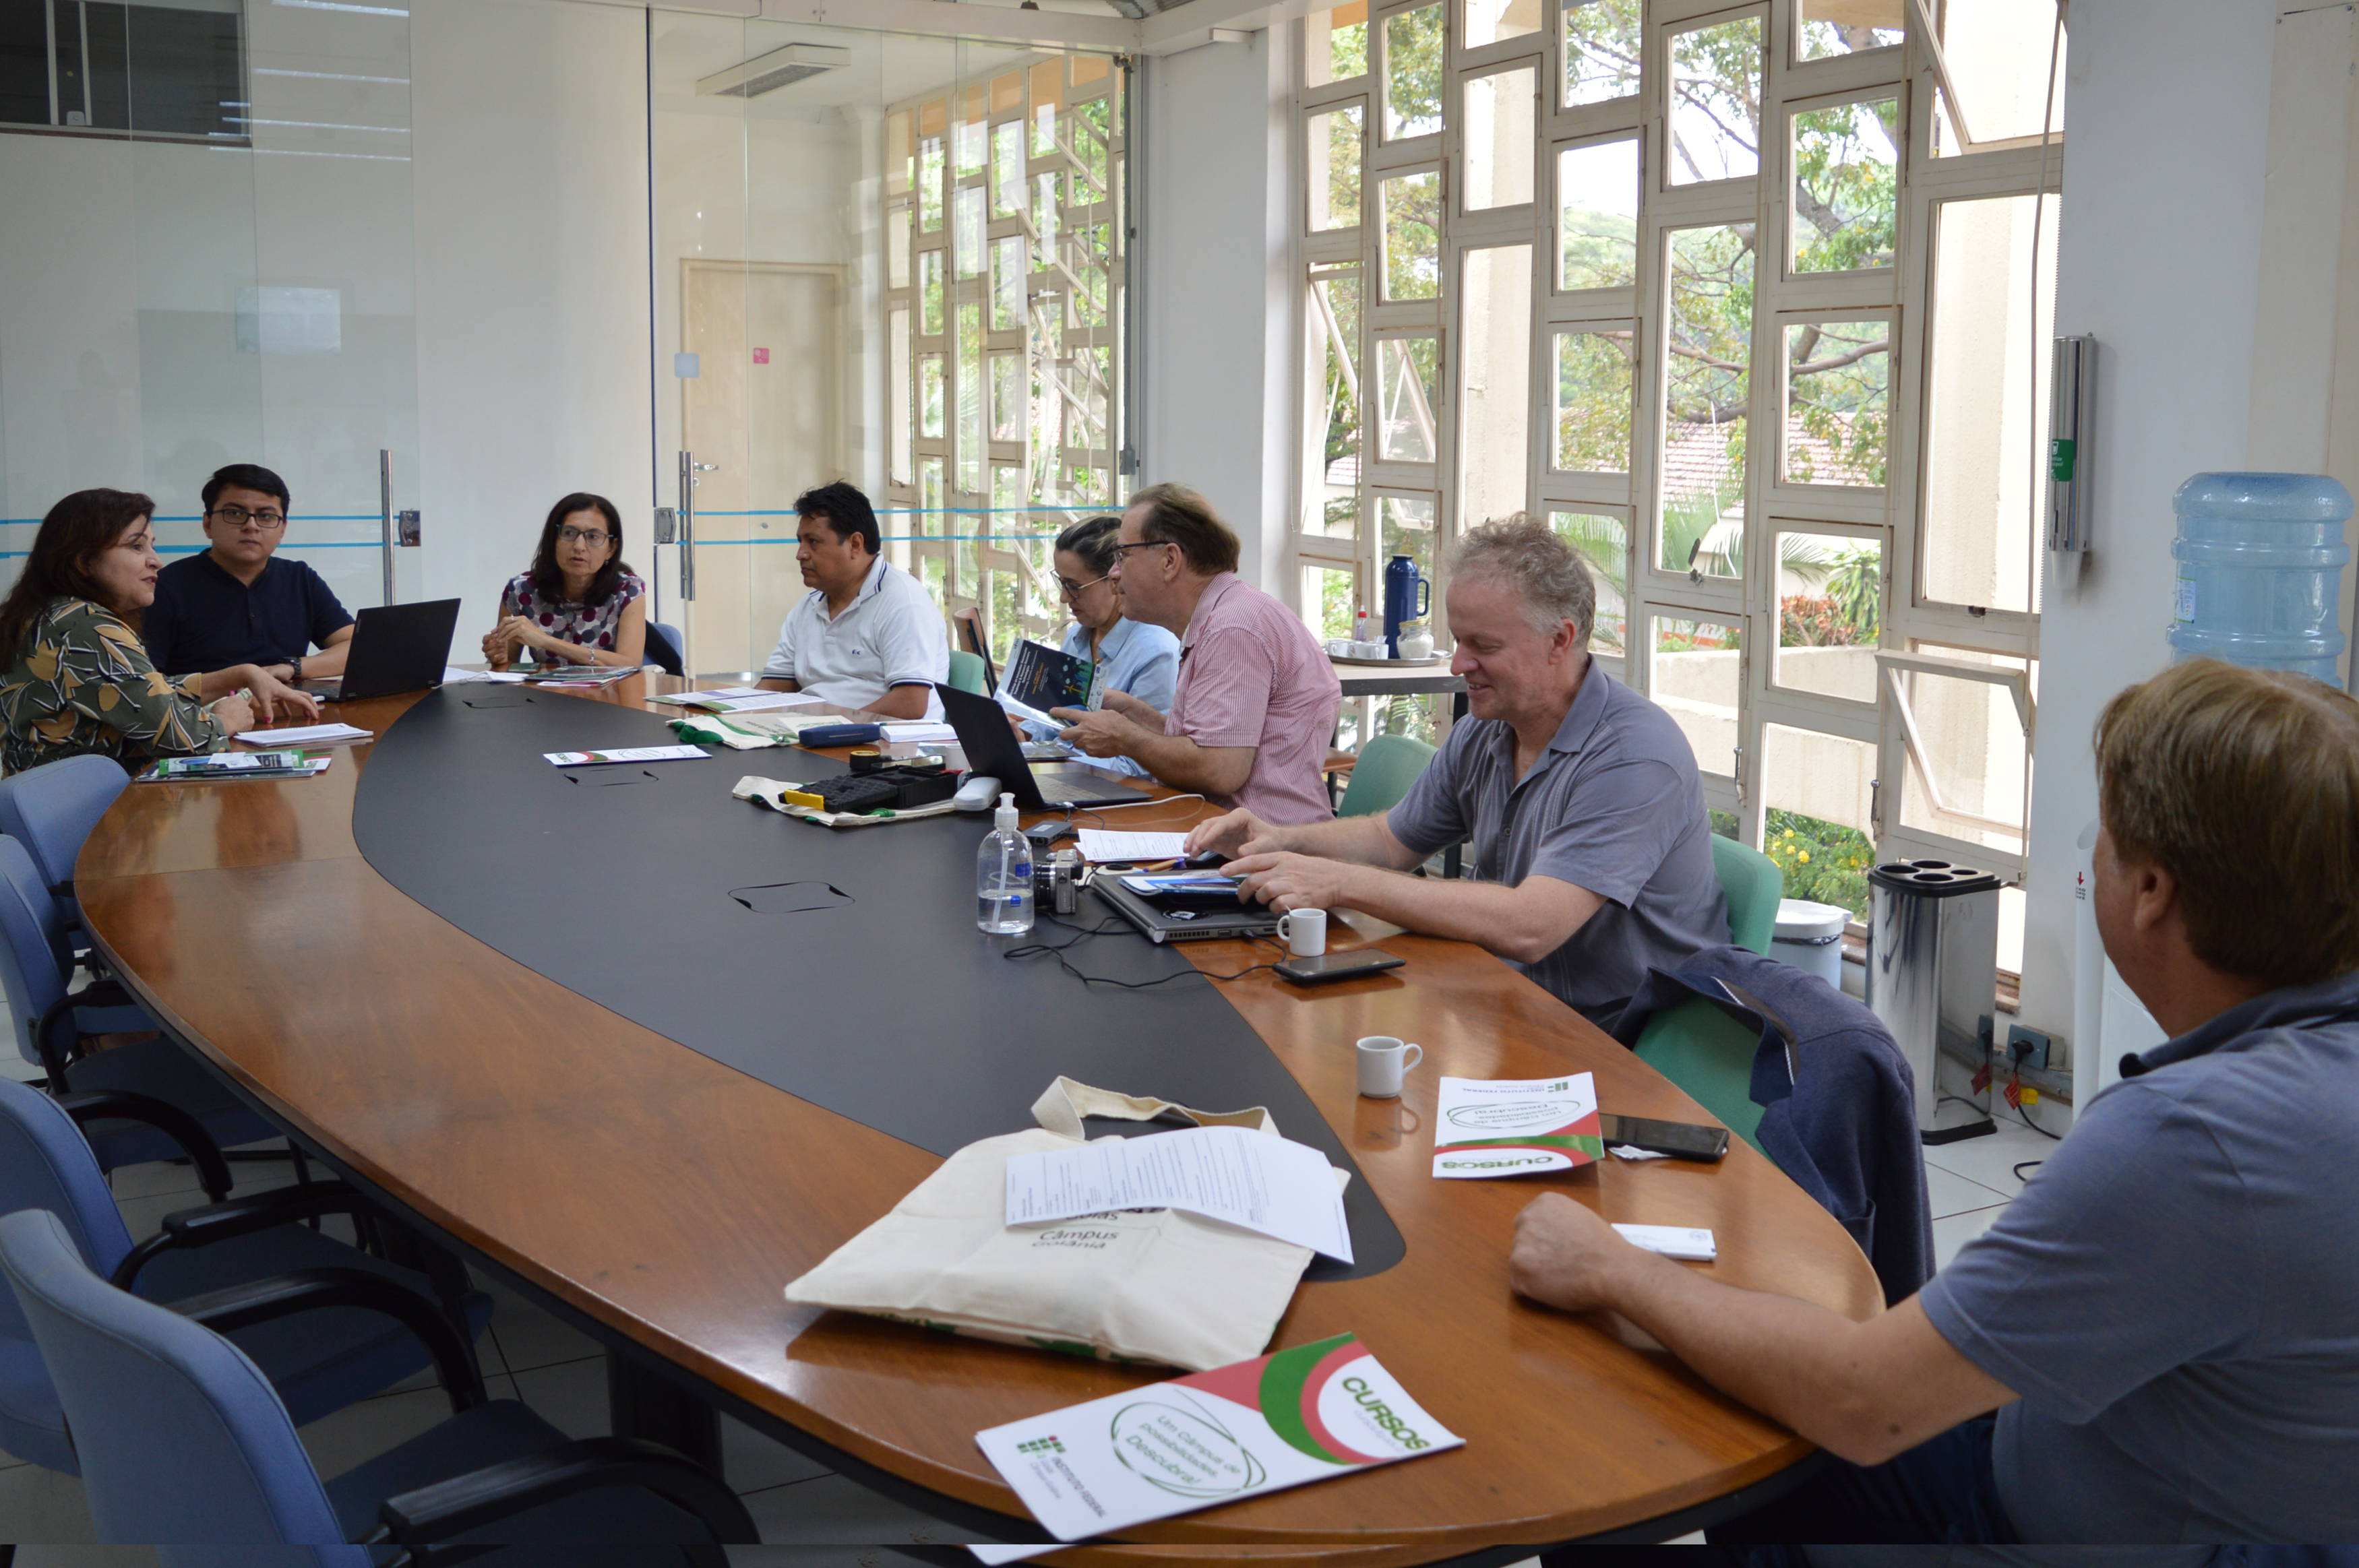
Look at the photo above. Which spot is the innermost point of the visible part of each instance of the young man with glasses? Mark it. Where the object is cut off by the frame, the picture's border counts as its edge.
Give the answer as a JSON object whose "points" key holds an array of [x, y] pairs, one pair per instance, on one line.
{"points": [[1255, 701], [234, 603]]}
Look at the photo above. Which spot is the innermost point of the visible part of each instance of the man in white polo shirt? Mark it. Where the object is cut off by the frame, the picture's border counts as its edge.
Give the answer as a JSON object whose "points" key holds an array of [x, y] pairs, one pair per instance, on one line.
{"points": [[867, 636]]}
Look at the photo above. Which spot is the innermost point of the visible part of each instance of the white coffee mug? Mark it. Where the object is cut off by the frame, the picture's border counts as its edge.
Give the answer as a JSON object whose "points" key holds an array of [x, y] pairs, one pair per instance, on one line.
{"points": [[1304, 932], [1383, 1062], [1368, 650]]}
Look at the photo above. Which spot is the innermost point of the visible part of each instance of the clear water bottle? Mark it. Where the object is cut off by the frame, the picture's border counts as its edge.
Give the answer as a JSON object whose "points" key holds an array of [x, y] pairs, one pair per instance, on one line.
{"points": [[2260, 570], [1002, 876]]}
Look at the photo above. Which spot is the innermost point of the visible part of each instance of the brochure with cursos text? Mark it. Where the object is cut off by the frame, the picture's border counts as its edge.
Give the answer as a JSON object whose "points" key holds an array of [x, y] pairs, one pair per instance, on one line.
{"points": [[1513, 1127], [1302, 1414]]}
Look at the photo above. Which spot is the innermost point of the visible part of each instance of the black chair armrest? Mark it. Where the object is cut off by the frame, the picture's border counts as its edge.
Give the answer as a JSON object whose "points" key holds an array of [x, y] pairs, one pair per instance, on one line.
{"points": [[482, 1498], [240, 1306], [99, 993], [238, 1216], [123, 1105]]}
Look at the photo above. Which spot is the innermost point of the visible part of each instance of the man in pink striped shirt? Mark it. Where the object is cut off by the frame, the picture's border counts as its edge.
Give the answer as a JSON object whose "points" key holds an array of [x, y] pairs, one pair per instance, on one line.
{"points": [[1256, 704]]}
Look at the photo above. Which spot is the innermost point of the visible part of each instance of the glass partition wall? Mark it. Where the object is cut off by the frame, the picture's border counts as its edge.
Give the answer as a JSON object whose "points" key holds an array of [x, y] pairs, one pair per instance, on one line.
{"points": [[213, 263], [894, 260]]}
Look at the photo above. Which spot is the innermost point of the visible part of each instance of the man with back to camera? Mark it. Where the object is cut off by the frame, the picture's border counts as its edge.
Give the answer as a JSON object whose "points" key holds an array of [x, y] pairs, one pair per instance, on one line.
{"points": [[2166, 1319], [1592, 853], [867, 636], [236, 603], [1256, 699]]}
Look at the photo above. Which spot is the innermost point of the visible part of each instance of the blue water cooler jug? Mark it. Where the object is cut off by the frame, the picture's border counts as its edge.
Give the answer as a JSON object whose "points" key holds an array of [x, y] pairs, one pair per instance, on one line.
{"points": [[1407, 596], [2260, 570]]}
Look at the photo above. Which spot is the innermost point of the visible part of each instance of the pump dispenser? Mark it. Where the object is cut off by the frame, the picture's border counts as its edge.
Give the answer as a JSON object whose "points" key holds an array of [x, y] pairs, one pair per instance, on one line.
{"points": [[1002, 876]]}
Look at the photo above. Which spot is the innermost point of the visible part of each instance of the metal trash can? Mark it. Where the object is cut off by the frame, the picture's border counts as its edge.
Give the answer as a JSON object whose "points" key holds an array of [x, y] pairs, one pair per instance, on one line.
{"points": [[1932, 978]]}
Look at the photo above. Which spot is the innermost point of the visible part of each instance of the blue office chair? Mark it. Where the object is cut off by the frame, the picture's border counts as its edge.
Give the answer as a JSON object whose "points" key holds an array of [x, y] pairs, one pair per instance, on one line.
{"points": [[319, 1362], [50, 810], [666, 649], [51, 1026], [182, 1440]]}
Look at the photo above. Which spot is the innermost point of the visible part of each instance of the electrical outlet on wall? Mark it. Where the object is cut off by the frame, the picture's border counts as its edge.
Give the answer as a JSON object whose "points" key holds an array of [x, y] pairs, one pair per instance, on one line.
{"points": [[2026, 1047]]}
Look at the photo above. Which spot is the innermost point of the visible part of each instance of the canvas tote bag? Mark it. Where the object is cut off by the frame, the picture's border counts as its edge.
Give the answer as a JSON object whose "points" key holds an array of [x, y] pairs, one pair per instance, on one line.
{"points": [[1155, 1285]]}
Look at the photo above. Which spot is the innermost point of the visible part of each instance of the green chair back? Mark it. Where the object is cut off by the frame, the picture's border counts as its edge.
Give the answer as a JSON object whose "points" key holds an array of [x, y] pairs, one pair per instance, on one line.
{"points": [[1710, 1056], [1754, 885], [1388, 766], [966, 672]]}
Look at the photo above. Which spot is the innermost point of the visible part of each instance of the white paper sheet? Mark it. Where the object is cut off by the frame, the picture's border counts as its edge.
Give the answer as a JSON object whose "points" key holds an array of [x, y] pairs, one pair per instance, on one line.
{"points": [[1672, 1240], [1103, 844], [1026, 710], [1247, 1179], [919, 732], [741, 700], [1513, 1127], [626, 754], [453, 675], [305, 735]]}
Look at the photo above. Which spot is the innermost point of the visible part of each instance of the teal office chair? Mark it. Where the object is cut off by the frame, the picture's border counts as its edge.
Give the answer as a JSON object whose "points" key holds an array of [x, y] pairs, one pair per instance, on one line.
{"points": [[1754, 885], [966, 673], [1696, 1045], [1388, 766]]}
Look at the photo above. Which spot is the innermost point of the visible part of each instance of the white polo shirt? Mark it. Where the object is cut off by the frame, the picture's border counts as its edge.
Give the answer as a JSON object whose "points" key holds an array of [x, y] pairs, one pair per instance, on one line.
{"points": [[890, 634]]}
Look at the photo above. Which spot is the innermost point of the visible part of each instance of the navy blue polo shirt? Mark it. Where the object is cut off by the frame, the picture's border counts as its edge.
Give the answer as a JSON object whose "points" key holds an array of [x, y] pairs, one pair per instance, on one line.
{"points": [[204, 619]]}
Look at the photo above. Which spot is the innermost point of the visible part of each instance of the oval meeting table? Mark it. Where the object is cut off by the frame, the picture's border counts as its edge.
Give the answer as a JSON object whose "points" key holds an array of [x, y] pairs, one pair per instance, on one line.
{"points": [[648, 1053]]}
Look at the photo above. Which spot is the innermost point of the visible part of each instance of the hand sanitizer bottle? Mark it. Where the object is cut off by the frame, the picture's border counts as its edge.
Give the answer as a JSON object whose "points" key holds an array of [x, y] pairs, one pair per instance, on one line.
{"points": [[1002, 876]]}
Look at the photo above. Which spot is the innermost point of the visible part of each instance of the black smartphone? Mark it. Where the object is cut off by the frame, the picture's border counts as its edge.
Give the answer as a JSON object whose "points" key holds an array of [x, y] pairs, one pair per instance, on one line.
{"points": [[1338, 966], [1679, 1139]]}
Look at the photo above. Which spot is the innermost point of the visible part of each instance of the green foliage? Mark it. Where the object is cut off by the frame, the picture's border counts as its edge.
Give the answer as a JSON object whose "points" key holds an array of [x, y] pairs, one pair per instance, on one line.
{"points": [[1846, 186], [1412, 219], [1336, 609], [1339, 394], [1348, 48], [1813, 620], [1601, 50], [1601, 249], [1716, 119], [1413, 72], [1604, 543], [1711, 326], [1343, 154], [1594, 373], [1856, 582], [1838, 376], [1823, 861], [1689, 519]]}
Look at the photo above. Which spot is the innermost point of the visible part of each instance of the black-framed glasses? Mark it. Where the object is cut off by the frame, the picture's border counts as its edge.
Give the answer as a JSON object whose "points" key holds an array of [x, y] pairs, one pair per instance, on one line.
{"points": [[238, 517], [593, 537], [1071, 589]]}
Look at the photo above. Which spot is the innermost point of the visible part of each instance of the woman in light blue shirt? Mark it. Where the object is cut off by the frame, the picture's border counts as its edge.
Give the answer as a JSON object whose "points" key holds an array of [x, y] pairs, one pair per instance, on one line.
{"points": [[1140, 659]]}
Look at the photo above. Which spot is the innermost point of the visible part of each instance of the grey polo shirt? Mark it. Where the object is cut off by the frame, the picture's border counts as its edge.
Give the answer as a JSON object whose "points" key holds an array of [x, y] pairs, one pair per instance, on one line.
{"points": [[1614, 805], [2176, 1293]]}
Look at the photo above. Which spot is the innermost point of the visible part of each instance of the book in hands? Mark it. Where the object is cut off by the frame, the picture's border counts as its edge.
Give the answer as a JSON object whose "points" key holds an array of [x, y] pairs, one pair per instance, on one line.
{"points": [[1310, 1413], [1039, 677]]}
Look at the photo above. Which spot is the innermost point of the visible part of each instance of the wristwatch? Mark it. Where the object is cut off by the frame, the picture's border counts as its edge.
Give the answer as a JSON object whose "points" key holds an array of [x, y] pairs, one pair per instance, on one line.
{"points": [[295, 670]]}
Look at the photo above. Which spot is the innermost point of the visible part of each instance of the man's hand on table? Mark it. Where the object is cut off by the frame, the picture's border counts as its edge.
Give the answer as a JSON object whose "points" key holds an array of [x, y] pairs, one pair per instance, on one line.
{"points": [[1285, 880], [1565, 1256]]}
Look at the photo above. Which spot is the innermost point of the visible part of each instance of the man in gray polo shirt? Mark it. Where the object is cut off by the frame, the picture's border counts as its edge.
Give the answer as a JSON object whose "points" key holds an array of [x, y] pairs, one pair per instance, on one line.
{"points": [[1593, 854], [2166, 1320]]}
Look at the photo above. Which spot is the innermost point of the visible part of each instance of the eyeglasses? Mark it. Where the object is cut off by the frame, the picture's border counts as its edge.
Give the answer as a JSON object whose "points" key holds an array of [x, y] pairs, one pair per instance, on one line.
{"points": [[590, 537], [238, 517], [1074, 590], [1121, 550]]}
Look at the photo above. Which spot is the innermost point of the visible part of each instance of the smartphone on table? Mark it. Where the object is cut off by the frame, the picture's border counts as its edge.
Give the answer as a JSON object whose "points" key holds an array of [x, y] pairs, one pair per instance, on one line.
{"points": [[1679, 1139]]}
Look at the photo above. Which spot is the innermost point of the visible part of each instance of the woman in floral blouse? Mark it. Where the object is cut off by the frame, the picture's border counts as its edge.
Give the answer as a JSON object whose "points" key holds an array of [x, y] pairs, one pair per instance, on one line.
{"points": [[579, 604], [78, 679]]}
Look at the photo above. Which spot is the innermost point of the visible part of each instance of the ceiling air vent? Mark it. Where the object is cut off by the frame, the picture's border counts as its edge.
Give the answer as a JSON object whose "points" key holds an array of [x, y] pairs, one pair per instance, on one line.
{"points": [[767, 73]]}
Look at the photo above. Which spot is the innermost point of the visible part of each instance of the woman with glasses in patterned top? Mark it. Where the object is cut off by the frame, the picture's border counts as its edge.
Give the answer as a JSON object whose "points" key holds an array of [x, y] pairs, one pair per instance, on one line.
{"points": [[579, 604]]}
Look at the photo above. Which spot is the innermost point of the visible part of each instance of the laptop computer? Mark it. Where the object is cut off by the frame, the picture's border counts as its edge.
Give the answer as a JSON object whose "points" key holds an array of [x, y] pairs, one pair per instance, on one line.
{"points": [[1189, 920], [991, 747], [395, 648]]}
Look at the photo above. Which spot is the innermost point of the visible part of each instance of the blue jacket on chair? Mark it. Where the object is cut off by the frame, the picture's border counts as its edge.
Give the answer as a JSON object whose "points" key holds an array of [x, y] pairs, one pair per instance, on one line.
{"points": [[1838, 1115]]}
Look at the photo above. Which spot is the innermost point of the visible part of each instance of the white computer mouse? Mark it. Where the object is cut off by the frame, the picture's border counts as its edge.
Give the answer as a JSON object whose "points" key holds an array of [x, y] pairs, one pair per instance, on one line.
{"points": [[977, 792]]}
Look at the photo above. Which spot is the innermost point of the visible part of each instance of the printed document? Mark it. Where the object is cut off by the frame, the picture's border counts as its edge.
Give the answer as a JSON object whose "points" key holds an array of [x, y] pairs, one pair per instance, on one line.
{"points": [[741, 700], [1246, 1179], [1512, 1127], [1305, 1413], [919, 732], [1104, 844]]}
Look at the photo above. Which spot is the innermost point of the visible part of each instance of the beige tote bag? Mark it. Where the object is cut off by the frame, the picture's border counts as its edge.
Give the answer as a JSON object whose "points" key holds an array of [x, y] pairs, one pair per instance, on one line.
{"points": [[1150, 1285]]}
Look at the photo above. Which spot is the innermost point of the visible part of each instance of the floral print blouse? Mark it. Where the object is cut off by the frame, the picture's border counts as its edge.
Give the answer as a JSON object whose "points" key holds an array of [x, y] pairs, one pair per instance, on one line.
{"points": [[583, 625], [83, 682]]}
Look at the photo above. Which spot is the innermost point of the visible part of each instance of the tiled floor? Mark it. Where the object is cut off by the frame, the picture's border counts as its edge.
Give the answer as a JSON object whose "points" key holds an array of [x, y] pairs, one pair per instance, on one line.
{"points": [[817, 1519]]}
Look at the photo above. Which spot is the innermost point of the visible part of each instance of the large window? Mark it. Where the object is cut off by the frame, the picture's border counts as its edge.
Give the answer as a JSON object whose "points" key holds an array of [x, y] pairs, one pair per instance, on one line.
{"points": [[1752, 304], [1004, 203]]}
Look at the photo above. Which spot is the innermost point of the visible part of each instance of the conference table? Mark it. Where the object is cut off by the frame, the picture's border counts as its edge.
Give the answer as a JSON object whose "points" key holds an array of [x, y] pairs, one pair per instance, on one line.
{"points": [[463, 978]]}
